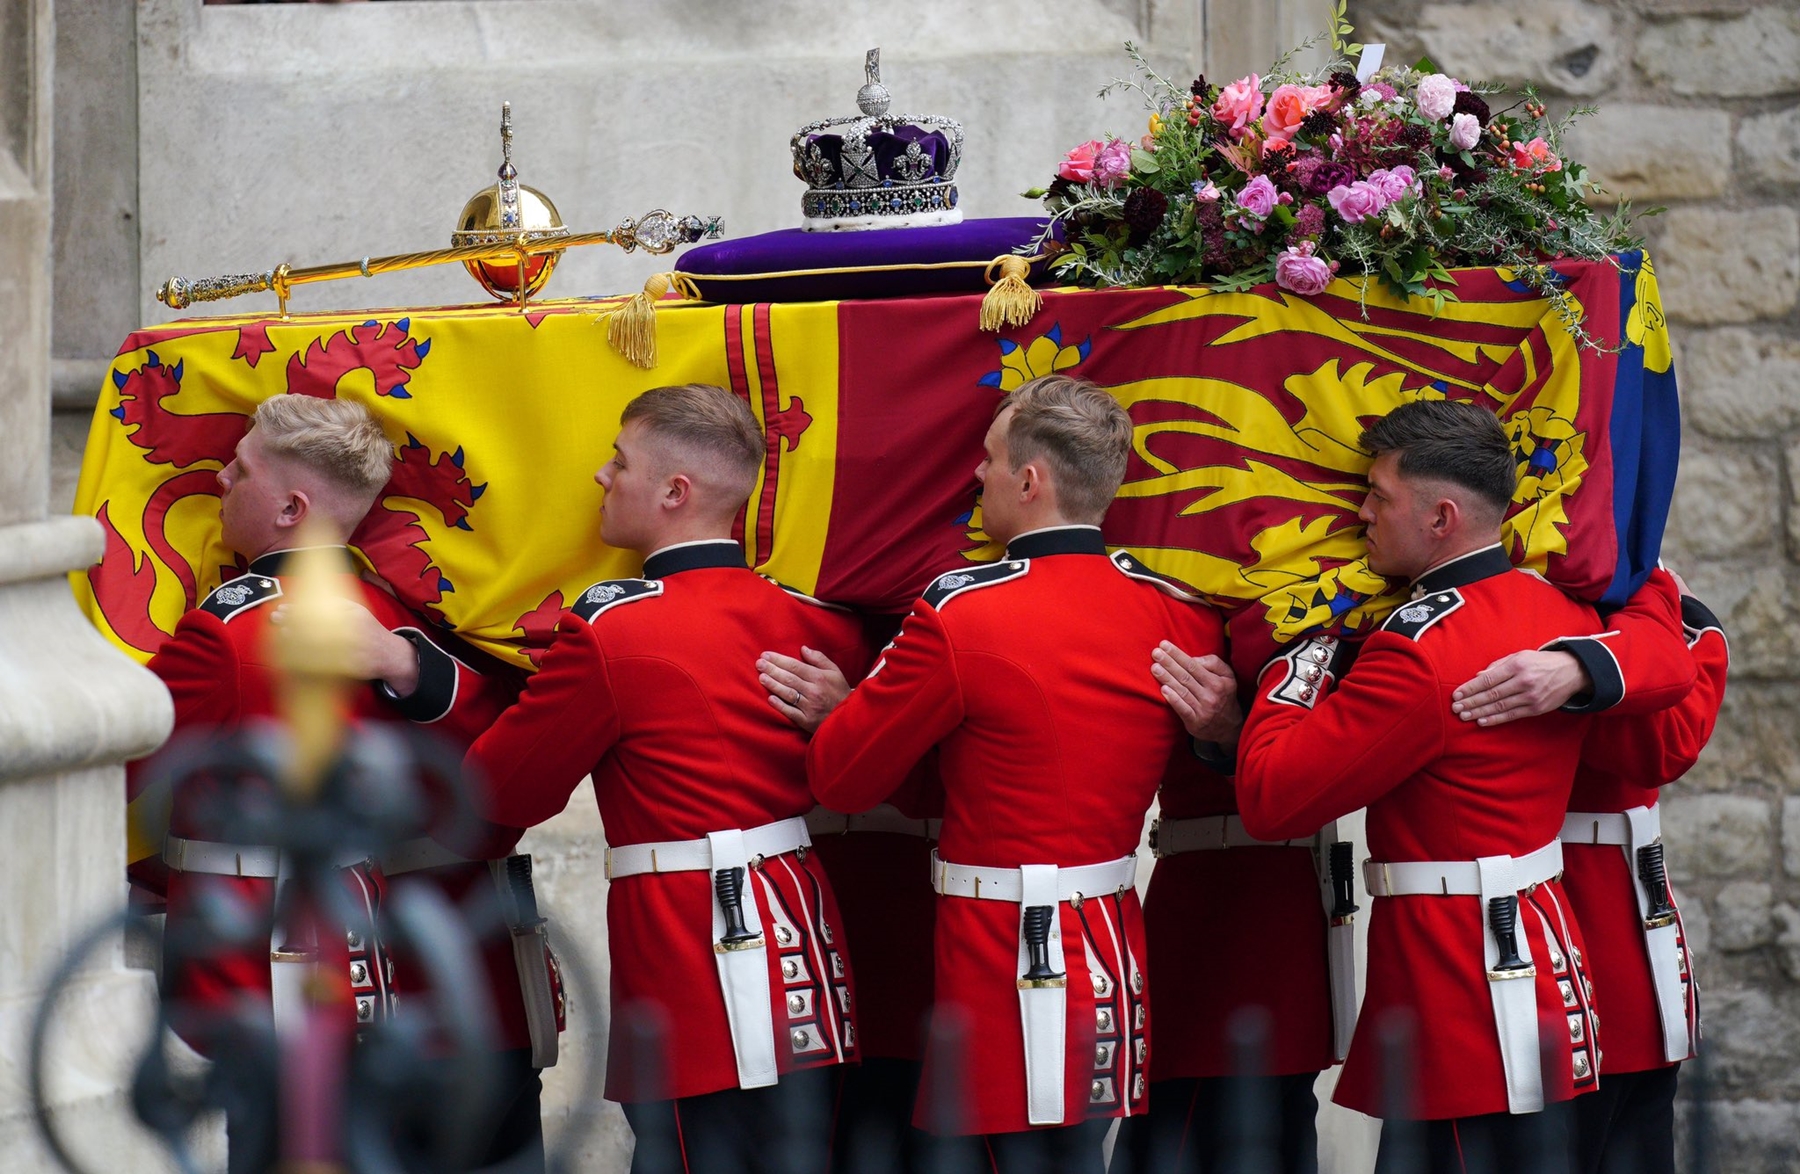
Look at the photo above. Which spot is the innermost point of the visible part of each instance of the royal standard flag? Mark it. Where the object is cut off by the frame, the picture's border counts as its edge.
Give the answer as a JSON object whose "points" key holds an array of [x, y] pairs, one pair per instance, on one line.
{"points": [[1244, 482]]}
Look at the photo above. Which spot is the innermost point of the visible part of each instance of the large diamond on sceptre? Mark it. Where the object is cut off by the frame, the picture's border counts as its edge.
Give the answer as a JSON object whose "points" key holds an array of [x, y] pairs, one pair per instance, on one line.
{"points": [[506, 213]]}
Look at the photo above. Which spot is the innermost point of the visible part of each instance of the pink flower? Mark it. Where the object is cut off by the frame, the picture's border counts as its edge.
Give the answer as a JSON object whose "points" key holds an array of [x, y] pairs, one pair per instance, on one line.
{"points": [[1445, 173], [1298, 270], [1465, 131], [1535, 156], [1239, 104], [1376, 92], [1436, 96], [1207, 192], [1078, 165], [1288, 107], [1357, 201], [1258, 197], [1113, 163], [1393, 184]]}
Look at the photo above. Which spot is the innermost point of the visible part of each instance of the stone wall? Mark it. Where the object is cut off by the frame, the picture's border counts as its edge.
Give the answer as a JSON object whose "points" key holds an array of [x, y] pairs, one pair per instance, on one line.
{"points": [[1700, 111]]}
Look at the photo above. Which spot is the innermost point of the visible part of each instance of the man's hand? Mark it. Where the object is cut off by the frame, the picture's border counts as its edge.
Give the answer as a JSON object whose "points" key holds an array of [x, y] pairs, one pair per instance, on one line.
{"points": [[803, 691], [1525, 684], [372, 653], [1201, 690]]}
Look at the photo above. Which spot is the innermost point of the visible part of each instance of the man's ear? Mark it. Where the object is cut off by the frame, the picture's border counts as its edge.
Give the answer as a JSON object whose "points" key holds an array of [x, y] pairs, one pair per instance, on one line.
{"points": [[678, 490], [295, 510], [1446, 517], [1031, 481]]}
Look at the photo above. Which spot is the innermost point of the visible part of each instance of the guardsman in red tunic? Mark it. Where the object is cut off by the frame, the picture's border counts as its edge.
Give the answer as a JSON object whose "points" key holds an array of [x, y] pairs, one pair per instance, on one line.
{"points": [[731, 989], [1471, 935], [1031, 678], [1616, 876], [320, 463]]}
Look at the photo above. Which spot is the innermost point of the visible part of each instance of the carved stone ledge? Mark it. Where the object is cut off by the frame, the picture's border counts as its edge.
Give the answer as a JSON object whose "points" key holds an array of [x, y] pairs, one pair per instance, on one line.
{"points": [[67, 698]]}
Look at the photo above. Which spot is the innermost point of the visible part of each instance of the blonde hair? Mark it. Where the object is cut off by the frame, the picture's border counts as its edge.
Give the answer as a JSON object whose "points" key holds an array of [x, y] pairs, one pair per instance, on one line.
{"points": [[333, 438], [1079, 431], [708, 420]]}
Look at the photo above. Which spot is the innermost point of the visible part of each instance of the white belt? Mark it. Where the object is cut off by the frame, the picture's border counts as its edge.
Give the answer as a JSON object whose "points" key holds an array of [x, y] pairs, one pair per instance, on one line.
{"points": [[1455, 878], [1172, 837], [253, 860], [413, 855], [771, 839], [1630, 830], [1597, 827], [822, 821], [1006, 884]]}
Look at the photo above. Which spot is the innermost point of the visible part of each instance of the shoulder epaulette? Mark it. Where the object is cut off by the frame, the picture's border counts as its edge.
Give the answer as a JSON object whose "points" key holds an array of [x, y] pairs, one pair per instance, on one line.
{"points": [[803, 597], [239, 595], [610, 593], [1412, 619], [953, 583], [1142, 573]]}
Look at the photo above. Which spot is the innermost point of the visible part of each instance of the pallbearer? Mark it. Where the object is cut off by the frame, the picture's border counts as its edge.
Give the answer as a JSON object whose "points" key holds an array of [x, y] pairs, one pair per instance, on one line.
{"points": [[731, 989], [1470, 934], [1616, 872], [1031, 678]]}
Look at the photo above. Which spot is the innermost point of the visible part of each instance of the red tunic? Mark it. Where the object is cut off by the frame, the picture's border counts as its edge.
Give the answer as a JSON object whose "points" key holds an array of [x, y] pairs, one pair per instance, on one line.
{"points": [[1259, 907], [655, 693], [1436, 789], [1052, 737], [219, 672], [1624, 761], [882, 881]]}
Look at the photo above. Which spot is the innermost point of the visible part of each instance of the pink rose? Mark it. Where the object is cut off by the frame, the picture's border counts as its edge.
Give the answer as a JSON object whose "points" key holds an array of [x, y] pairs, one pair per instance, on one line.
{"points": [[1239, 104], [1078, 165], [1393, 184], [1535, 156], [1258, 197], [1465, 131], [1298, 270], [1436, 96], [1355, 202], [1288, 107], [1207, 192], [1113, 163]]}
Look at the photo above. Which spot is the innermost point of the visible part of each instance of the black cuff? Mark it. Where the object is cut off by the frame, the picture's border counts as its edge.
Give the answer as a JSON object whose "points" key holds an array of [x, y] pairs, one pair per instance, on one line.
{"points": [[436, 691], [1696, 617], [1597, 661], [1215, 757]]}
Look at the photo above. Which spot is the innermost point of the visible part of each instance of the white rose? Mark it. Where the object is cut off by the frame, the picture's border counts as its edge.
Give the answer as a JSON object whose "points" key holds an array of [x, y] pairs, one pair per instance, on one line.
{"points": [[1465, 131]]}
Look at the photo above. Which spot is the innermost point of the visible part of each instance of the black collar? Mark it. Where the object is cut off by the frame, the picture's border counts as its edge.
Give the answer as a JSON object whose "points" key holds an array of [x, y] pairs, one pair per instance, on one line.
{"points": [[1057, 540], [694, 556], [1463, 570], [272, 562]]}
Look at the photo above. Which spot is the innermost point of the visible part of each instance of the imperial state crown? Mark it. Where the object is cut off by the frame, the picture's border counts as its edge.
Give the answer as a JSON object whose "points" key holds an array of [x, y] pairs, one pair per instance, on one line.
{"points": [[879, 170]]}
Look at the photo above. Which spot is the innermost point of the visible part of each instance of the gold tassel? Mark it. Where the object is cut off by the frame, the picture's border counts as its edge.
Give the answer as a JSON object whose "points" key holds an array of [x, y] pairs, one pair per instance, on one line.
{"points": [[1009, 301], [631, 329]]}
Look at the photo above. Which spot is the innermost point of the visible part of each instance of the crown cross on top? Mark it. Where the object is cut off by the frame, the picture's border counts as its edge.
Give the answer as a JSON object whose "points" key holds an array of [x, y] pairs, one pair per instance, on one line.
{"points": [[875, 169]]}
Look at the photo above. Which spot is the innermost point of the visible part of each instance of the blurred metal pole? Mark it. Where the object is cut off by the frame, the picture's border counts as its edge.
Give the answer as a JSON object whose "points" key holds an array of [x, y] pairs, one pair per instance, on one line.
{"points": [[1402, 1135], [1251, 1110]]}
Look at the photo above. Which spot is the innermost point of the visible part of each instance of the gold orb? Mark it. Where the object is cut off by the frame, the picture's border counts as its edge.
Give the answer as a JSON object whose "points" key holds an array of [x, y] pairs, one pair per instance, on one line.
{"points": [[487, 219]]}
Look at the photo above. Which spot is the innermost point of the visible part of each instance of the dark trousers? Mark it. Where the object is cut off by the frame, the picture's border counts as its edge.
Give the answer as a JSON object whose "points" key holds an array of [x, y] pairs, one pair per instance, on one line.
{"points": [[1494, 1143], [1198, 1126], [875, 1134], [1066, 1149], [1627, 1126], [784, 1128]]}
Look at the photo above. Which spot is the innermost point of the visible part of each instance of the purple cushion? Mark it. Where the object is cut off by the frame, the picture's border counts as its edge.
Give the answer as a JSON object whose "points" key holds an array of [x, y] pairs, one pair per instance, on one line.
{"points": [[857, 264]]}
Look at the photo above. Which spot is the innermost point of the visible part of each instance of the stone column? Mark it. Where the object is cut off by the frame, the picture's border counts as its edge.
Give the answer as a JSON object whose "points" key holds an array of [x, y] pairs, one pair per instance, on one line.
{"points": [[71, 708]]}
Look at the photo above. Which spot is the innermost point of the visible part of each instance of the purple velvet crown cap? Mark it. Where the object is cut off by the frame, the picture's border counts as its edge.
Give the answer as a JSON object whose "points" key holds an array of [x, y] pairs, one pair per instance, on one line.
{"points": [[859, 264], [893, 164]]}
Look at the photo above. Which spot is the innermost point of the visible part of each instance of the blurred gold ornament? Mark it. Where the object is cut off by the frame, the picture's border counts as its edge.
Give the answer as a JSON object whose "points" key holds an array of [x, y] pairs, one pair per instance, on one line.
{"points": [[506, 213]]}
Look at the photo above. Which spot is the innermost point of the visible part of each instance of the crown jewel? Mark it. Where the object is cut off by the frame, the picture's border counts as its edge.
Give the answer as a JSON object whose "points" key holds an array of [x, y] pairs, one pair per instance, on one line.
{"points": [[879, 170]]}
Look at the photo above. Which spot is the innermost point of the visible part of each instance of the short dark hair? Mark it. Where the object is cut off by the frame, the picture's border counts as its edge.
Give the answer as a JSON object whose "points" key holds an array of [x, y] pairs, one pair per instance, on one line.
{"points": [[1447, 441]]}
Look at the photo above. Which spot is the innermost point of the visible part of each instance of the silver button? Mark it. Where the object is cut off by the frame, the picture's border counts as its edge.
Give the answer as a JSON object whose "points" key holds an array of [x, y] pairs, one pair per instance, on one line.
{"points": [[359, 973], [790, 969], [1576, 1035], [365, 1009], [1102, 988], [1137, 982], [1097, 1092], [784, 935], [800, 1040], [796, 1004], [350, 939], [825, 928], [1103, 1019]]}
